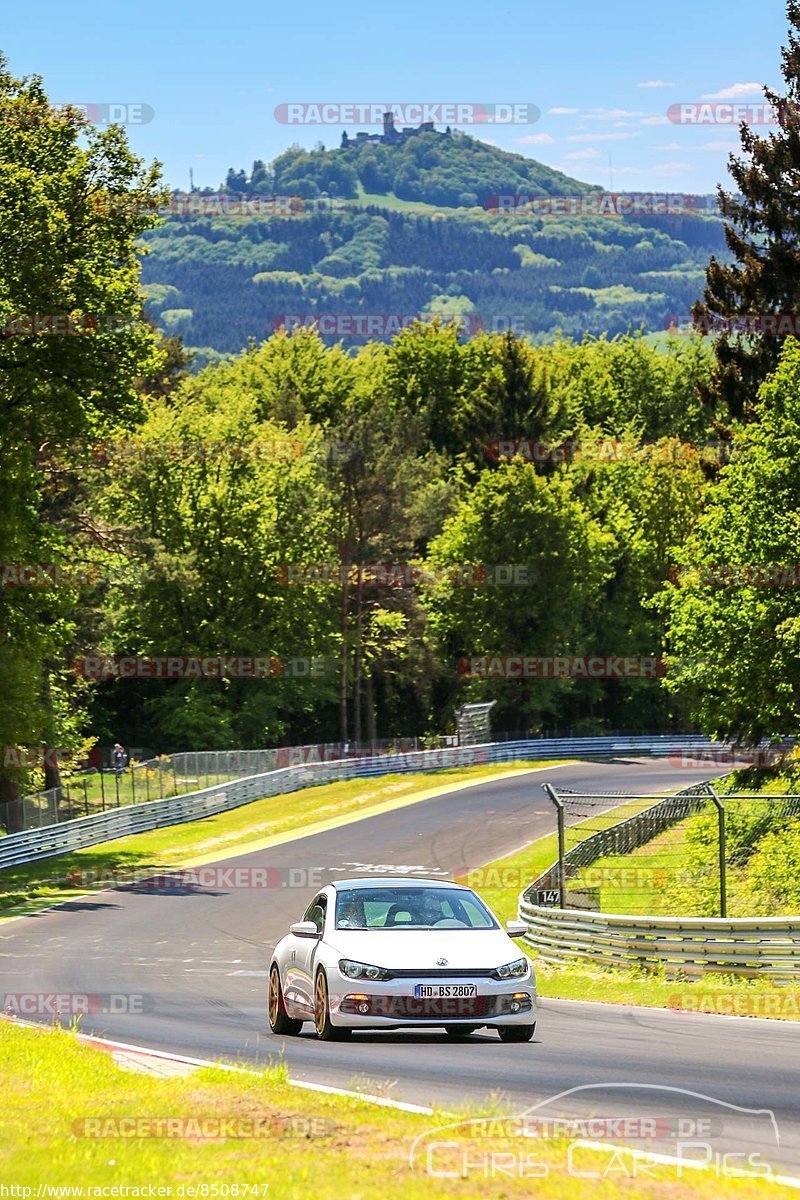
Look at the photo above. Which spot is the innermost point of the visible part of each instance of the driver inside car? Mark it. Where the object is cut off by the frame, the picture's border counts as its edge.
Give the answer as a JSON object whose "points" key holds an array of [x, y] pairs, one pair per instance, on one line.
{"points": [[430, 911], [352, 916]]}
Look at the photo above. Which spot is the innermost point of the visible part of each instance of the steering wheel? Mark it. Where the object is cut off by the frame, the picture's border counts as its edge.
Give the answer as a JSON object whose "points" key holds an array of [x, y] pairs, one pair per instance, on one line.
{"points": [[450, 923]]}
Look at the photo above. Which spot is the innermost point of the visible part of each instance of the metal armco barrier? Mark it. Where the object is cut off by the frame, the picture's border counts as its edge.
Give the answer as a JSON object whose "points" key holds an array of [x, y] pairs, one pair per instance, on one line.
{"points": [[759, 947], [52, 840], [751, 946]]}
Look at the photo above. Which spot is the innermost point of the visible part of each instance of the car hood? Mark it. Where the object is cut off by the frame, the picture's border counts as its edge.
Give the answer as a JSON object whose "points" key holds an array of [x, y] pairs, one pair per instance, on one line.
{"points": [[407, 949]]}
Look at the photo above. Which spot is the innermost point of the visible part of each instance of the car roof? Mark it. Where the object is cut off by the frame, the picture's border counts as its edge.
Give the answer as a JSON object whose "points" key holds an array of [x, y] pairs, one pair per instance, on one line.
{"points": [[374, 881]]}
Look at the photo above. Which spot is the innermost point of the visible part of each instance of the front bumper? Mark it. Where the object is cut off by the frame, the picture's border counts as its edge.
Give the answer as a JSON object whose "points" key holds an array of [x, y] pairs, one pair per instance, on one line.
{"points": [[366, 1004]]}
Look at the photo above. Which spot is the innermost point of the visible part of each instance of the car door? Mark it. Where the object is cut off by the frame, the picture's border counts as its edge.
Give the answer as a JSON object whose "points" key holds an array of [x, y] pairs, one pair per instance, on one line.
{"points": [[299, 989]]}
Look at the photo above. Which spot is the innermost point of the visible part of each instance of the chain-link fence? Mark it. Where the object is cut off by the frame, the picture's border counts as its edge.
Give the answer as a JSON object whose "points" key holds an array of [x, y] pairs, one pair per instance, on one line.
{"points": [[86, 792], [696, 854]]}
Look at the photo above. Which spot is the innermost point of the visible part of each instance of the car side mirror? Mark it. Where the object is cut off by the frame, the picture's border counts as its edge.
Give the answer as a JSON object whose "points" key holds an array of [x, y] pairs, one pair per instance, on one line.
{"points": [[516, 928], [305, 929]]}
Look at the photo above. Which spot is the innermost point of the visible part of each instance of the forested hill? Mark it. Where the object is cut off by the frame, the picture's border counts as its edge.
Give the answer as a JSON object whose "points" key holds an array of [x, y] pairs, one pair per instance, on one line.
{"points": [[221, 276], [449, 169]]}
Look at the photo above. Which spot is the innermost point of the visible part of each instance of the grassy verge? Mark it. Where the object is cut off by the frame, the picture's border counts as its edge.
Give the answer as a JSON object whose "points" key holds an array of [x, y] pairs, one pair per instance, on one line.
{"points": [[278, 1141], [24, 889], [500, 883], [677, 873]]}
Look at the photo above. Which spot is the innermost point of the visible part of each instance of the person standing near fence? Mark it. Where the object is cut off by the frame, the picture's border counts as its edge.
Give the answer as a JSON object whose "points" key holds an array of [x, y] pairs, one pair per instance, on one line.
{"points": [[119, 758]]}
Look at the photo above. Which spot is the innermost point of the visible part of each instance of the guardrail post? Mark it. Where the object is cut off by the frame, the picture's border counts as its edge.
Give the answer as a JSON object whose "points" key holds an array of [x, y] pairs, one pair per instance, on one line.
{"points": [[723, 870], [551, 792]]}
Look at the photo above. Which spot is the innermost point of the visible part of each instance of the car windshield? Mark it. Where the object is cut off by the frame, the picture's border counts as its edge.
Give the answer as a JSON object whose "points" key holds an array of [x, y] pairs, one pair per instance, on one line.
{"points": [[411, 908]]}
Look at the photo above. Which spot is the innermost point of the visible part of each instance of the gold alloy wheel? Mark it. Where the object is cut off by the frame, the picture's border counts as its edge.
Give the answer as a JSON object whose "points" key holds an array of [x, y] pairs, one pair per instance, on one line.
{"points": [[274, 991], [320, 1004]]}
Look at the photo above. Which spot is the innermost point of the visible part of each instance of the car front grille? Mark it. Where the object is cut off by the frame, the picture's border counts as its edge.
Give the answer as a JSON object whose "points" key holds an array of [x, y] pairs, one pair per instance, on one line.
{"points": [[409, 1008], [444, 973]]}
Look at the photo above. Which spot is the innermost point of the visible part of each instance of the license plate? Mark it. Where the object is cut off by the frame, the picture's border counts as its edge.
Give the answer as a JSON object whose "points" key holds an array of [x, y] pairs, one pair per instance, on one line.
{"points": [[444, 991]]}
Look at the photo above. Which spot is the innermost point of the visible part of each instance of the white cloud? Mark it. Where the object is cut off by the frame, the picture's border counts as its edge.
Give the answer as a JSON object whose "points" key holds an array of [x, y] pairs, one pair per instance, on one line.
{"points": [[656, 83], [736, 91], [628, 171], [535, 139], [719, 146], [562, 112], [671, 146], [671, 168], [580, 155], [608, 114], [654, 121], [601, 137]]}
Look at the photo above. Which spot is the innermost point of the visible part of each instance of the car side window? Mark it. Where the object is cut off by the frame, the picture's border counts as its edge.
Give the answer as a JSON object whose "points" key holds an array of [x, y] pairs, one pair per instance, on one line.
{"points": [[316, 912]]}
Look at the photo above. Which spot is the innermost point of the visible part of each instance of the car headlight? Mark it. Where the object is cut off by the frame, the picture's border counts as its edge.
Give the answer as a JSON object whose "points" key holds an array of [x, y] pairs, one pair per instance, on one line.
{"points": [[359, 970], [511, 970]]}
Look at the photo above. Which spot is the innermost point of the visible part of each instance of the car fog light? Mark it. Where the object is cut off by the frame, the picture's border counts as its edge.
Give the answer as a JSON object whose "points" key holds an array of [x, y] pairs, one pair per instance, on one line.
{"points": [[363, 1007], [515, 1005]]}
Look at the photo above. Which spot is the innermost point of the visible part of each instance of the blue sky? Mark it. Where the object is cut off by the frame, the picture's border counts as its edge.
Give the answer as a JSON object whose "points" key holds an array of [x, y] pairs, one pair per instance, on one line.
{"points": [[214, 74]]}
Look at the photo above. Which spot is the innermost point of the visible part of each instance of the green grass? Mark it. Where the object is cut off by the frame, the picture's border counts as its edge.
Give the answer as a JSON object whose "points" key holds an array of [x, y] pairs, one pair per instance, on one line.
{"points": [[500, 883], [676, 873], [729, 995], [393, 203], [23, 889], [641, 881], [307, 1144]]}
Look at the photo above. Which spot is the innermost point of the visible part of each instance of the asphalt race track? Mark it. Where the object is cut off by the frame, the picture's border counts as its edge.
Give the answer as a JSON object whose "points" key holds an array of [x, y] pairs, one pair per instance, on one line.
{"points": [[199, 957]]}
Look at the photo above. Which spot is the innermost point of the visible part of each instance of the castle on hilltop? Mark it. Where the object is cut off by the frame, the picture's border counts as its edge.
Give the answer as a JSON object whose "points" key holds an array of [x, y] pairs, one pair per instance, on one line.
{"points": [[390, 135]]}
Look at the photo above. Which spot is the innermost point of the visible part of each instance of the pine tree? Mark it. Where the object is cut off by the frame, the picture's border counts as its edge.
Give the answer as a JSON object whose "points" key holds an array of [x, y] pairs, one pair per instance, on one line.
{"points": [[763, 234]]}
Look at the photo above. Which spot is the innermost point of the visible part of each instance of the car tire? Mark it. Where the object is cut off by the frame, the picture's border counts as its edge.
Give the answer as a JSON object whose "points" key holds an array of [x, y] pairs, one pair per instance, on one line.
{"points": [[517, 1033], [279, 1021], [326, 1031], [459, 1031]]}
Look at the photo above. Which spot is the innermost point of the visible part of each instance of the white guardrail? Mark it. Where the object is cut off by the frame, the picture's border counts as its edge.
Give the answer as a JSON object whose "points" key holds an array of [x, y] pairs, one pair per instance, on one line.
{"points": [[762, 947], [52, 840]]}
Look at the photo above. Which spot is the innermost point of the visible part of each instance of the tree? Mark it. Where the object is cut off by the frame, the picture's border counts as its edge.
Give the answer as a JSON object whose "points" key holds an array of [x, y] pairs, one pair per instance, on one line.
{"points": [[763, 234], [73, 202], [506, 393], [649, 497], [734, 608], [213, 511], [517, 519], [392, 497], [424, 373]]}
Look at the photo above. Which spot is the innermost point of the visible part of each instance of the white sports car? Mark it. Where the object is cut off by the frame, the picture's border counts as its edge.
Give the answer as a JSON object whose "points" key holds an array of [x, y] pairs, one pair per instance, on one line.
{"points": [[383, 953]]}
